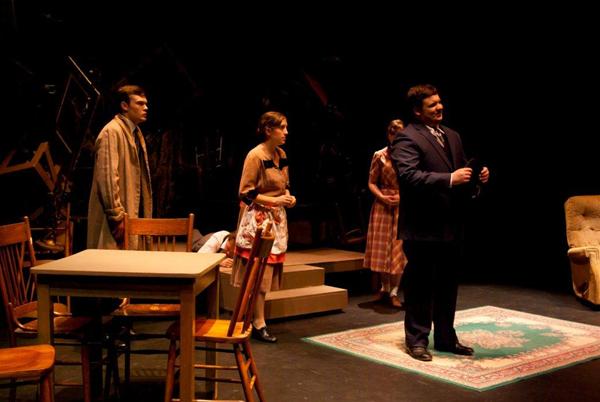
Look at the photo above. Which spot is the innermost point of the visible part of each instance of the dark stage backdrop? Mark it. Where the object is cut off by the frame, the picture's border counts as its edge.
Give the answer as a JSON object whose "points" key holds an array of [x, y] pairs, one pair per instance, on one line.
{"points": [[520, 90]]}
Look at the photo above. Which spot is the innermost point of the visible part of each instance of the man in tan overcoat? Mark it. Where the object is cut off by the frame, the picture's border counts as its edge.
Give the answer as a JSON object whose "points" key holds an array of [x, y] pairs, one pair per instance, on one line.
{"points": [[121, 182]]}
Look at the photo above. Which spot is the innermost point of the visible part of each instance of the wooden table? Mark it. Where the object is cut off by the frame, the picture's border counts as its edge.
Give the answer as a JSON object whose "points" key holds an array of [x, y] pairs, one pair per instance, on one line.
{"points": [[146, 274]]}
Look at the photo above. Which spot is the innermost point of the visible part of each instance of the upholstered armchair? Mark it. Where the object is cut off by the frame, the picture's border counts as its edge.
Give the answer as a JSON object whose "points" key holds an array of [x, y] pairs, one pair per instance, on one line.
{"points": [[583, 236]]}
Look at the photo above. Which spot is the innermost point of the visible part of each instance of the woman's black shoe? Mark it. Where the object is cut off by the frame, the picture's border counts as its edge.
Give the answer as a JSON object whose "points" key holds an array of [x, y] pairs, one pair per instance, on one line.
{"points": [[263, 335]]}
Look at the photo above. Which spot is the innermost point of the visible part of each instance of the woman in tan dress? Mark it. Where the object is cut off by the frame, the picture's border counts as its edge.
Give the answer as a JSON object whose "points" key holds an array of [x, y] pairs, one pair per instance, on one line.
{"points": [[264, 189], [384, 253]]}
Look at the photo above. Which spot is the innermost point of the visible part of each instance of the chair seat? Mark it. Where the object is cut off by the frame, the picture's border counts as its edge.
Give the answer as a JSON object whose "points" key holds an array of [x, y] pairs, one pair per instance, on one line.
{"points": [[26, 361], [63, 326], [144, 310], [209, 330], [59, 309]]}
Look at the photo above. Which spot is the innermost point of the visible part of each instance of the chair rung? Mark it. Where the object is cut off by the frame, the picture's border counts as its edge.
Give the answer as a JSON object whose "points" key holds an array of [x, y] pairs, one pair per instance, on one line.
{"points": [[19, 382], [67, 343], [207, 400], [149, 352], [78, 363], [219, 379], [68, 384], [213, 349], [143, 337], [211, 366], [67, 363]]}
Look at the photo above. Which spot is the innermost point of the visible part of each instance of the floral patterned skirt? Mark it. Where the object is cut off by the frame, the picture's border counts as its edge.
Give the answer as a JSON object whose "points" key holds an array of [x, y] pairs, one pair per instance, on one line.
{"points": [[253, 217]]}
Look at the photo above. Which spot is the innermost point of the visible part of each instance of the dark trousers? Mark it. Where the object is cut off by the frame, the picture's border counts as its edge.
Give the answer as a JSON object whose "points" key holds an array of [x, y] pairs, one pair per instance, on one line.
{"points": [[430, 290]]}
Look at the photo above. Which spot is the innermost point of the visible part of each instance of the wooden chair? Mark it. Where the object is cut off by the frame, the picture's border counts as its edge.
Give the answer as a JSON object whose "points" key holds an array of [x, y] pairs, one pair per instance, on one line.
{"points": [[59, 244], [26, 363], [235, 331], [154, 235], [20, 305]]}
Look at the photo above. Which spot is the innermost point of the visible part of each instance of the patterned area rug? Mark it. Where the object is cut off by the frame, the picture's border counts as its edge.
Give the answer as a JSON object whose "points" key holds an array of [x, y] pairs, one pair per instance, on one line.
{"points": [[509, 346]]}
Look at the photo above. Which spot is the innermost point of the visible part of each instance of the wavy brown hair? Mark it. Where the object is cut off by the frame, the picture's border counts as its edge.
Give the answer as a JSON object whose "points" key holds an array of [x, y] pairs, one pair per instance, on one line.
{"points": [[269, 120]]}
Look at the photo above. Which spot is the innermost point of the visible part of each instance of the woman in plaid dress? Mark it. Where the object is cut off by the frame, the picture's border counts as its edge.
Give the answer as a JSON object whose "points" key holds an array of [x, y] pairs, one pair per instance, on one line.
{"points": [[384, 253]]}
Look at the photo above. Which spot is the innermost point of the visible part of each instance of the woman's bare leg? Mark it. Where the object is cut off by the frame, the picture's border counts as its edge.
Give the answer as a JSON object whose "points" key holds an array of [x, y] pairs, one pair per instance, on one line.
{"points": [[259, 311]]}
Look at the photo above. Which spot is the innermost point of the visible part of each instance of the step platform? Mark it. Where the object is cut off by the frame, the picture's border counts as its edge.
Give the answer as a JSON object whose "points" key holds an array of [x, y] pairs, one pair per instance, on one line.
{"points": [[303, 286], [332, 260]]}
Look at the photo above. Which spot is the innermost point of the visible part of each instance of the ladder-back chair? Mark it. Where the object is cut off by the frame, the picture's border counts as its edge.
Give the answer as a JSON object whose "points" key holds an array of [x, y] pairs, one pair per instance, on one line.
{"points": [[20, 304], [154, 235], [236, 331]]}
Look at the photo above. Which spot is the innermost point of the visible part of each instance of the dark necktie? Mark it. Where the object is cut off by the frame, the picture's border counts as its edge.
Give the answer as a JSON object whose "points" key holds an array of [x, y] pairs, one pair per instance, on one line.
{"points": [[439, 136]]}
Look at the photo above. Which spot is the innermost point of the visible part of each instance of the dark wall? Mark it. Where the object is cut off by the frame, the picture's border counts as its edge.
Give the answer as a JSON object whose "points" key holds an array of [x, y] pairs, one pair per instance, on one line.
{"points": [[518, 86]]}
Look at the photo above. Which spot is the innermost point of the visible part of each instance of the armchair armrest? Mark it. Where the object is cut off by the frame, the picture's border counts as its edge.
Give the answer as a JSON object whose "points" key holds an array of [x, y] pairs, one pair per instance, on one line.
{"points": [[582, 255], [585, 272]]}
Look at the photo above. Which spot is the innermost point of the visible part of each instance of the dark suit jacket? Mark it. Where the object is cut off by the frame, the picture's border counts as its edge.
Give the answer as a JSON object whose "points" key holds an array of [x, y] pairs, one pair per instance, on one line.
{"points": [[429, 209]]}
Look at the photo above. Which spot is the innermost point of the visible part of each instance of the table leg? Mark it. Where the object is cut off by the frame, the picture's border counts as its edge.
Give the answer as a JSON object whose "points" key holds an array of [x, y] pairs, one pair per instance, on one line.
{"points": [[186, 346], [45, 321], [212, 297], [46, 328]]}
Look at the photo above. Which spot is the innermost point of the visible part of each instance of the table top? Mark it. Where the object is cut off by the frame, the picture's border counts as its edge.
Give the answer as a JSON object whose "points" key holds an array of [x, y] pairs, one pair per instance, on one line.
{"points": [[93, 262]]}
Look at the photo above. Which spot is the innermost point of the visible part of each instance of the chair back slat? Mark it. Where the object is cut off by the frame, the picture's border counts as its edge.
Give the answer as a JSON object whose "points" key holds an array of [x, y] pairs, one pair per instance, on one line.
{"points": [[16, 285], [15, 233], [255, 266], [159, 234], [25, 310]]}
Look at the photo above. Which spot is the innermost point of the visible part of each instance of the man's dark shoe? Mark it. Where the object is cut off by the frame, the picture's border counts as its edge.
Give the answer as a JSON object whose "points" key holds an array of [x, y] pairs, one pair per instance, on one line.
{"points": [[263, 335], [419, 353], [457, 349]]}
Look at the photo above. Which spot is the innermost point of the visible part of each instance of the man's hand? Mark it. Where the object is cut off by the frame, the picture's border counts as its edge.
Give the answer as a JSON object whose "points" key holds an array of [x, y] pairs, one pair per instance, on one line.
{"points": [[460, 176], [484, 176], [118, 230], [227, 263]]}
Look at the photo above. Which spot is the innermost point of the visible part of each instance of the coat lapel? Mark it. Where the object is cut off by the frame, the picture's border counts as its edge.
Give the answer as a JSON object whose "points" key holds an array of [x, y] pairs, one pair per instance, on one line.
{"points": [[433, 143], [125, 126]]}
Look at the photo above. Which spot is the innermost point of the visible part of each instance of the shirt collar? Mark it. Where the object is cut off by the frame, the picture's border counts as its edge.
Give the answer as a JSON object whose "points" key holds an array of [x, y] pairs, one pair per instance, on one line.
{"points": [[129, 123], [434, 130]]}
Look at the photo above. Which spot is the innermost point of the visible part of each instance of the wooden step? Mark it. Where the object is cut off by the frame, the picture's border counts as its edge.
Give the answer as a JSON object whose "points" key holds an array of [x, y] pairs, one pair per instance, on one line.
{"points": [[333, 260], [300, 276], [296, 276], [303, 290], [312, 299]]}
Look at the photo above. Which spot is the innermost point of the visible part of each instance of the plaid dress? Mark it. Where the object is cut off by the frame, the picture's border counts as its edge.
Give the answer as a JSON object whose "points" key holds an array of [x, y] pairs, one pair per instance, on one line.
{"points": [[384, 250]]}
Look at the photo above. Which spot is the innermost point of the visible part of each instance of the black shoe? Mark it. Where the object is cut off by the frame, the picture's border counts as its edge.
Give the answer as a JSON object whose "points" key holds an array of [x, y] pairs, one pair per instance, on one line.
{"points": [[263, 334], [419, 353], [457, 349]]}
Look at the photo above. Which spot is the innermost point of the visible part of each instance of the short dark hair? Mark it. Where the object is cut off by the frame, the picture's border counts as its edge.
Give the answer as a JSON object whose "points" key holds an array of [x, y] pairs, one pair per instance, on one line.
{"points": [[124, 92], [231, 235], [395, 127], [416, 94], [269, 120]]}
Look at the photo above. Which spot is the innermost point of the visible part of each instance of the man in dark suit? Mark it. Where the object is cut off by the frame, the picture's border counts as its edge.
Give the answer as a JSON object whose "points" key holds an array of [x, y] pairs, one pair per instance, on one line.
{"points": [[433, 177]]}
